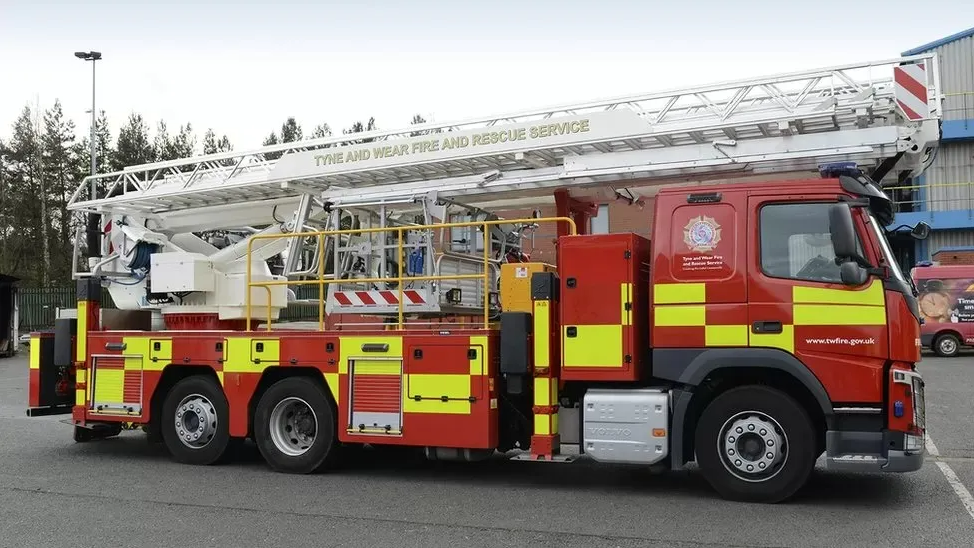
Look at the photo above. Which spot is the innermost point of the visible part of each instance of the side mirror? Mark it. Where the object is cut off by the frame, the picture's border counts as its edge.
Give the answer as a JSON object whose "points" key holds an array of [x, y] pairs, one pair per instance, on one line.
{"points": [[852, 274], [920, 231], [843, 232]]}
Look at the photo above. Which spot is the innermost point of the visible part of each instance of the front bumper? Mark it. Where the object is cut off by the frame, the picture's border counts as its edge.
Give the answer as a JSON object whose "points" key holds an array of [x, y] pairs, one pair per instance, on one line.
{"points": [[870, 452]]}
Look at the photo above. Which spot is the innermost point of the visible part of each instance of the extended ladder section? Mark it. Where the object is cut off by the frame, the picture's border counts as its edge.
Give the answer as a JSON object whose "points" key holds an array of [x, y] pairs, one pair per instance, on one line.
{"points": [[884, 115]]}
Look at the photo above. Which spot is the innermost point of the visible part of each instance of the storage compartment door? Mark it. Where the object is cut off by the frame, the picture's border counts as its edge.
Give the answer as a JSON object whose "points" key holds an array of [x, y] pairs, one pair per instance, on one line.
{"points": [[116, 384], [596, 316], [375, 388]]}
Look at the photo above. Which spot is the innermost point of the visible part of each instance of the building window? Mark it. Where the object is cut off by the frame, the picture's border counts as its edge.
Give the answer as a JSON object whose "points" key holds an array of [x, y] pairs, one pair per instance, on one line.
{"points": [[796, 243], [600, 223]]}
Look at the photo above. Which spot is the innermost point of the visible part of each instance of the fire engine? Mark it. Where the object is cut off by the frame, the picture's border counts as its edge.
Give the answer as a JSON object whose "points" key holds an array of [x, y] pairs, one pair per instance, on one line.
{"points": [[763, 324]]}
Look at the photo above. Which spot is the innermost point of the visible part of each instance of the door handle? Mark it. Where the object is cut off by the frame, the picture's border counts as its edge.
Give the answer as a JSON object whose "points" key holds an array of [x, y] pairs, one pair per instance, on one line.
{"points": [[766, 327]]}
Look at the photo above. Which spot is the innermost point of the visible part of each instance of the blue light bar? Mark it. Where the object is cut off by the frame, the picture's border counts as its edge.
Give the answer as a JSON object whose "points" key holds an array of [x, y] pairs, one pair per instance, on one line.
{"points": [[835, 169]]}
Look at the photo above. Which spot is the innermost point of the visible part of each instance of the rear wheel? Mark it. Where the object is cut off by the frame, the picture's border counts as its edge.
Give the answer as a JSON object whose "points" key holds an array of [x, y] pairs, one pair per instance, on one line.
{"points": [[294, 426], [947, 345], [756, 444], [195, 421]]}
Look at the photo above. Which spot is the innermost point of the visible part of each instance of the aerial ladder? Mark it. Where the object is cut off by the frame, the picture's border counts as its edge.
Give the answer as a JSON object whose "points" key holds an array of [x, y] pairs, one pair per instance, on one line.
{"points": [[178, 234]]}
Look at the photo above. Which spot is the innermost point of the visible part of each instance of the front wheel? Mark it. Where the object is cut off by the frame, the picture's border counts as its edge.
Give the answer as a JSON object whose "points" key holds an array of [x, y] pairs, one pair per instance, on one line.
{"points": [[755, 444], [947, 345], [294, 426]]}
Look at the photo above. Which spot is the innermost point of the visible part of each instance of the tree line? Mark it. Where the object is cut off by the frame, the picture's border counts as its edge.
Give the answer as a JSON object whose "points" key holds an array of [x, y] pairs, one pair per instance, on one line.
{"points": [[46, 157]]}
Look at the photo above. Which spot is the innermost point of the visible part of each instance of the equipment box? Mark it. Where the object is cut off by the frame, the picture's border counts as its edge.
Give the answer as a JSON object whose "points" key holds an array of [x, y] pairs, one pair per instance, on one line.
{"points": [[604, 306]]}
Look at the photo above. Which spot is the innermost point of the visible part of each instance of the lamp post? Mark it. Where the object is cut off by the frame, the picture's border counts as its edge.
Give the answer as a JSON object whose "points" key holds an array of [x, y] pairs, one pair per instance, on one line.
{"points": [[94, 230]]}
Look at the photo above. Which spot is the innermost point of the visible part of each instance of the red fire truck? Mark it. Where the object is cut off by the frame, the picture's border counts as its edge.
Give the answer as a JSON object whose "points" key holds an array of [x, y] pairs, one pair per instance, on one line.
{"points": [[762, 324]]}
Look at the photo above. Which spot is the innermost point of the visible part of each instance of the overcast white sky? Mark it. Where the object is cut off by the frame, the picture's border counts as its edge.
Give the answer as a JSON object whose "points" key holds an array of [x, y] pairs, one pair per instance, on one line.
{"points": [[242, 68]]}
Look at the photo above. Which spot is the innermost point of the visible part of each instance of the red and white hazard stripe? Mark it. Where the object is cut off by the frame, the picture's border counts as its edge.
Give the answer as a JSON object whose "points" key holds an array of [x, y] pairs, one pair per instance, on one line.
{"points": [[378, 298], [911, 90], [108, 237]]}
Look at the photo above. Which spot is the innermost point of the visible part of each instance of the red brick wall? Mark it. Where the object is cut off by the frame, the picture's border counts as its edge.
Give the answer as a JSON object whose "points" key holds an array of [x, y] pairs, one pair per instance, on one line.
{"points": [[622, 218], [954, 257]]}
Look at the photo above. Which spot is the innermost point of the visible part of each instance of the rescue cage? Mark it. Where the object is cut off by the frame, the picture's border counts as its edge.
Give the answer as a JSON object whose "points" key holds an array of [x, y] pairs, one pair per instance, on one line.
{"points": [[322, 280]]}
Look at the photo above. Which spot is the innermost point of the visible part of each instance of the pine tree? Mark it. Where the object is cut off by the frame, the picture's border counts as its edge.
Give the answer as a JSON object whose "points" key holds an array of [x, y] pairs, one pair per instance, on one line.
{"points": [[27, 217], [162, 145], [134, 147], [290, 131], [6, 208], [321, 131], [182, 145], [269, 141], [212, 145], [419, 120], [62, 171], [359, 127]]}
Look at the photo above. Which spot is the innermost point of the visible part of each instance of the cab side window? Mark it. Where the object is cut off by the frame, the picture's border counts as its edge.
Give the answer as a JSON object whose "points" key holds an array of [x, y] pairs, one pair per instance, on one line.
{"points": [[796, 242]]}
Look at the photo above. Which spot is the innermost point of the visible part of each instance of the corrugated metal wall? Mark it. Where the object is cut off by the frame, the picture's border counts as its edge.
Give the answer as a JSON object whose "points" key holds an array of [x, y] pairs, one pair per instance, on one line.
{"points": [[950, 179], [949, 238], [957, 78]]}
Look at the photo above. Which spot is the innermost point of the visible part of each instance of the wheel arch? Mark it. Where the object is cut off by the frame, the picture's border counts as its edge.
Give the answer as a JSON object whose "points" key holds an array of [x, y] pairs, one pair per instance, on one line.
{"points": [[172, 374], [702, 375], [272, 375]]}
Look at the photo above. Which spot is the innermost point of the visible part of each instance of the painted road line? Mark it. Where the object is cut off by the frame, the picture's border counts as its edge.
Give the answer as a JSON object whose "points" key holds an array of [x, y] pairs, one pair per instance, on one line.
{"points": [[962, 493]]}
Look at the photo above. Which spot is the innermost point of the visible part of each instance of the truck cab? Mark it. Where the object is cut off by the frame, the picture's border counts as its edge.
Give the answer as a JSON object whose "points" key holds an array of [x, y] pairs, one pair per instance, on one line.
{"points": [[780, 309], [770, 320]]}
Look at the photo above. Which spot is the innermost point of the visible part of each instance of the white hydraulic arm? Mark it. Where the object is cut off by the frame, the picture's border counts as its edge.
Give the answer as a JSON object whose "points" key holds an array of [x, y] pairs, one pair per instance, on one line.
{"points": [[883, 115]]}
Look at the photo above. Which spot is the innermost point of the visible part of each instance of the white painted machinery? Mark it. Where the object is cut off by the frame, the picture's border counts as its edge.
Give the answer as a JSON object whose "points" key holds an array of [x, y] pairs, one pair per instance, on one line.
{"points": [[177, 232]]}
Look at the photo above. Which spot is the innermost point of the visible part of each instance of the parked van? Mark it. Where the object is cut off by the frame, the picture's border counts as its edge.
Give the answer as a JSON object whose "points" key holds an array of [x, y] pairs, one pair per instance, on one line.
{"points": [[946, 301]]}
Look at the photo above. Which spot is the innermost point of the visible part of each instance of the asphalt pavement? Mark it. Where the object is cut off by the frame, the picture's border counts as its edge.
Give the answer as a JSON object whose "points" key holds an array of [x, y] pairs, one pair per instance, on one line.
{"points": [[126, 492]]}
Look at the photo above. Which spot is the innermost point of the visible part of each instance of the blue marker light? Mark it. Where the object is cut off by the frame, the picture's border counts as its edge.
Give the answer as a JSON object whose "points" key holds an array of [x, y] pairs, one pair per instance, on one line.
{"points": [[898, 409], [835, 169]]}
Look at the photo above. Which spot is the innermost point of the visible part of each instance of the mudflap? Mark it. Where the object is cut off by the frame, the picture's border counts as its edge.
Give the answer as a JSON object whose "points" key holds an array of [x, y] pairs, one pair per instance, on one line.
{"points": [[51, 379], [95, 430]]}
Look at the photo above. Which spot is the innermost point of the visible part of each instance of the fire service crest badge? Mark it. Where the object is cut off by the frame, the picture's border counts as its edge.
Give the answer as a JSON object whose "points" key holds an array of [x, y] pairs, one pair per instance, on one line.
{"points": [[701, 234]]}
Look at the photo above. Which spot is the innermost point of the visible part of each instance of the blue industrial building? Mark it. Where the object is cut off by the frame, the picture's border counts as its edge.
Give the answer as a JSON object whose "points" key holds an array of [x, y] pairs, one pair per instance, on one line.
{"points": [[943, 196]]}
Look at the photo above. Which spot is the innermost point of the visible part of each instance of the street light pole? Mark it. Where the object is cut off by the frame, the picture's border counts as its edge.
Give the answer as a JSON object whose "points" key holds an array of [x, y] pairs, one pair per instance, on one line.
{"points": [[94, 228], [93, 126]]}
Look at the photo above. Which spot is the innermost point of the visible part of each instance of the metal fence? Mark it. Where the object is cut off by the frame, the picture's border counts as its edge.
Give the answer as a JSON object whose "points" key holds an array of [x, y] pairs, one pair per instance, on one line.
{"points": [[959, 105], [39, 306], [932, 197]]}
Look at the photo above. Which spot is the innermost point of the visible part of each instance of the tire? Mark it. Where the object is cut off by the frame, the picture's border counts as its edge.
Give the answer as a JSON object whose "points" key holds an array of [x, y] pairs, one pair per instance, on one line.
{"points": [[82, 435], [946, 345], [195, 421], [294, 427], [762, 414]]}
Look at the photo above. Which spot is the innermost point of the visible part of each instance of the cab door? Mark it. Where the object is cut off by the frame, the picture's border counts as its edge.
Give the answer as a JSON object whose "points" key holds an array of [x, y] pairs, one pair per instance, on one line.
{"points": [[798, 303]]}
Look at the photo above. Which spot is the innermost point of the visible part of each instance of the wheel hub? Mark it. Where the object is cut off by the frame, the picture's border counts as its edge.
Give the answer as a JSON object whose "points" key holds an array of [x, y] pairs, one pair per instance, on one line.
{"points": [[196, 421], [293, 426], [947, 346], [753, 446]]}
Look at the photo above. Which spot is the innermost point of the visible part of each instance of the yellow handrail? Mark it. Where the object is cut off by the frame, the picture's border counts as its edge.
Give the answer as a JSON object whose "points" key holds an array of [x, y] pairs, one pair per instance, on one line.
{"points": [[321, 282]]}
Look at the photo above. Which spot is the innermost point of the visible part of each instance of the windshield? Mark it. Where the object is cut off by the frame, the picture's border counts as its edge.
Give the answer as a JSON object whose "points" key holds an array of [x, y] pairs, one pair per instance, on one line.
{"points": [[887, 251]]}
